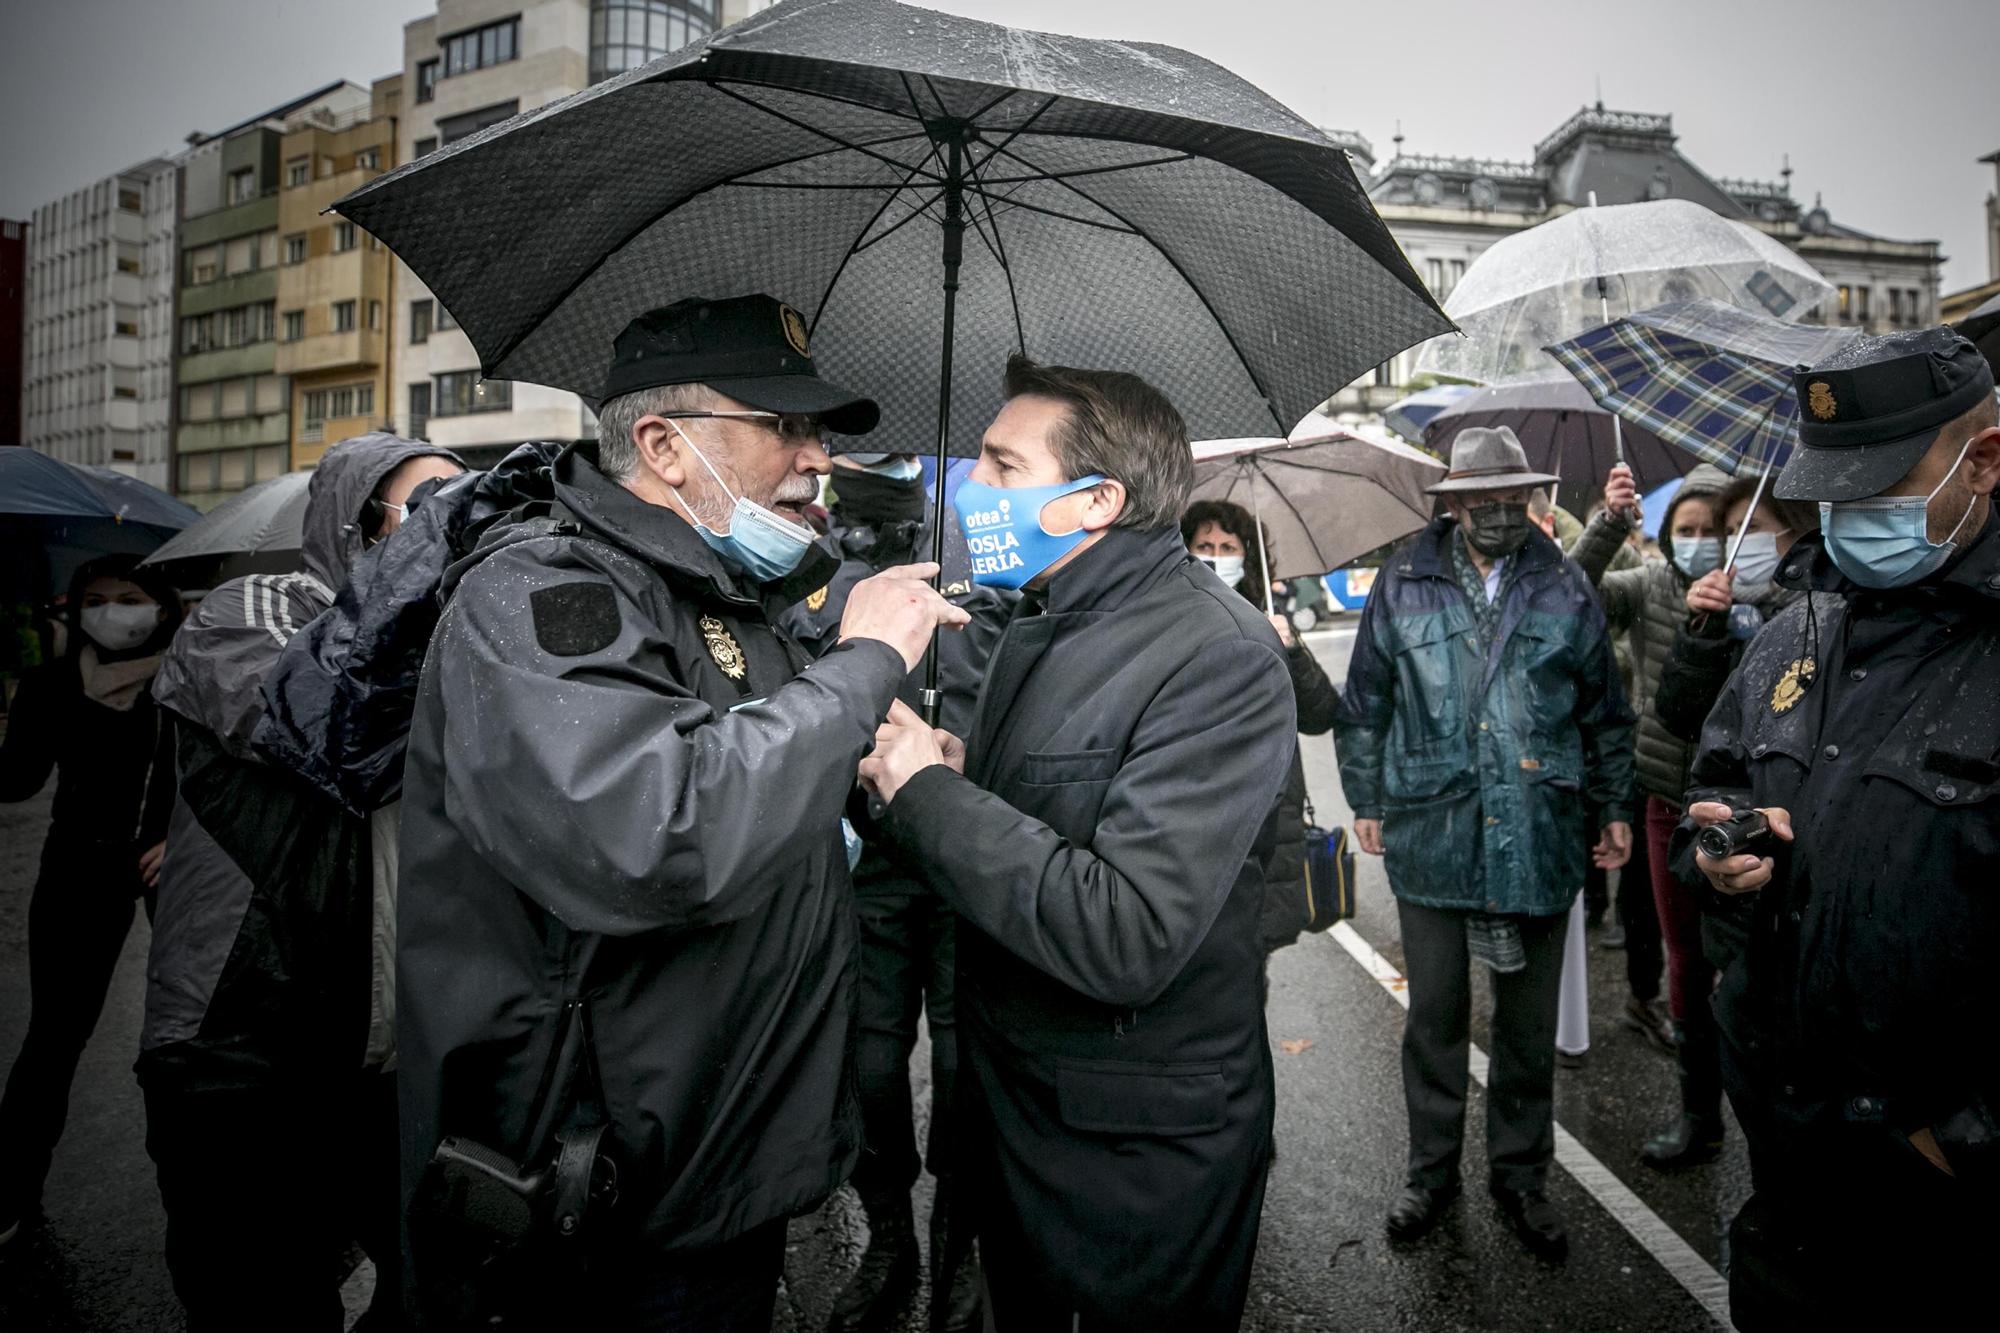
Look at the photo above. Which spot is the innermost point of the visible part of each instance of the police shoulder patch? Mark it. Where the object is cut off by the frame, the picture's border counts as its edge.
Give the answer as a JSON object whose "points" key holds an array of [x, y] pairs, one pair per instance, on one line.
{"points": [[574, 619]]}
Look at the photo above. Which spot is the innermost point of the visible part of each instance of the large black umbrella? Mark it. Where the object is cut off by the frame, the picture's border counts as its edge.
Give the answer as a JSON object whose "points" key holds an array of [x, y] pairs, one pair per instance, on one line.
{"points": [[257, 531], [929, 191], [1563, 430]]}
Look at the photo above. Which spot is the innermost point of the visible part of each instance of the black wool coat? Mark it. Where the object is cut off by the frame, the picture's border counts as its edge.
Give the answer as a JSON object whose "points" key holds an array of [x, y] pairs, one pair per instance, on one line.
{"points": [[1103, 853]]}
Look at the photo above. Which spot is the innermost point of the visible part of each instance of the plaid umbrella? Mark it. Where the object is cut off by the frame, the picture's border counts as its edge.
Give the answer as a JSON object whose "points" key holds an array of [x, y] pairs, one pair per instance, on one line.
{"points": [[1711, 378]]}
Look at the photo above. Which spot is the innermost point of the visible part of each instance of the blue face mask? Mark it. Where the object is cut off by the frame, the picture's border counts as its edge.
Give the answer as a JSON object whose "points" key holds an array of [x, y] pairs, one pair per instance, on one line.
{"points": [[762, 544], [1885, 541], [1003, 529], [1697, 555], [896, 467], [1756, 559]]}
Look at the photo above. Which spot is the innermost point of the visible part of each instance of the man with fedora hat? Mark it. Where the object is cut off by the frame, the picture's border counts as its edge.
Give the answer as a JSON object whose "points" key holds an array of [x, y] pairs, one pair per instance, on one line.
{"points": [[1483, 737], [626, 931], [1858, 1045]]}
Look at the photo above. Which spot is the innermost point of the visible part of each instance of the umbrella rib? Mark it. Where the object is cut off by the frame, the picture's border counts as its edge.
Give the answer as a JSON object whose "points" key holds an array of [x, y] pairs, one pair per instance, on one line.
{"points": [[999, 252], [1228, 335], [796, 123], [813, 156], [827, 294], [922, 210], [1093, 171]]}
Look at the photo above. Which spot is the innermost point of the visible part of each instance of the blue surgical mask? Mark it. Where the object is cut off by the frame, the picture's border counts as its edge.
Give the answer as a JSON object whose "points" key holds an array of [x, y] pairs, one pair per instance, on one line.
{"points": [[896, 467], [1004, 533], [760, 542], [1697, 555], [1228, 568], [1885, 540], [1757, 559]]}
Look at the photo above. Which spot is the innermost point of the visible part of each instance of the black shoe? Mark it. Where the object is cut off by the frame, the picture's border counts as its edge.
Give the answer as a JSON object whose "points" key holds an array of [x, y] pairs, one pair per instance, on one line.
{"points": [[1570, 1059], [1536, 1220], [1614, 938], [1417, 1209], [880, 1290], [1692, 1141], [957, 1308], [1650, 1021]]}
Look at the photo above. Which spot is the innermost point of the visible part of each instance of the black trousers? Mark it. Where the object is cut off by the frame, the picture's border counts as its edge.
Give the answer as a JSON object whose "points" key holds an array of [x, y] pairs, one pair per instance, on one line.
{"points": [[726, 1288], [1645, 954], [905, 968], [1520, 1092], [78, 918], [264, 1189]]}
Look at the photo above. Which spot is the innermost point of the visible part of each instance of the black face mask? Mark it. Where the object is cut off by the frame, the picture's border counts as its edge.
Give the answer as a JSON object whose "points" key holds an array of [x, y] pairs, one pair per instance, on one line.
{"points": [[1496, 530], [870, 498]]}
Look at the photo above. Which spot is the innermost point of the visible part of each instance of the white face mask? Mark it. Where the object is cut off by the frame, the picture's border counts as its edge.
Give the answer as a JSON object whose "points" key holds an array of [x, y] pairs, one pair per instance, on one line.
{"points": [[117, 626], [1228, 568], [1757, 559]]}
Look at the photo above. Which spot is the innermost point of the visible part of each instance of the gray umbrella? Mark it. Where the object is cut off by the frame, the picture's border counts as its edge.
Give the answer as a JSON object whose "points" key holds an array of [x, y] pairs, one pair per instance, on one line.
{"points": [[256, 532], [1325, 498], [1563, 430]]}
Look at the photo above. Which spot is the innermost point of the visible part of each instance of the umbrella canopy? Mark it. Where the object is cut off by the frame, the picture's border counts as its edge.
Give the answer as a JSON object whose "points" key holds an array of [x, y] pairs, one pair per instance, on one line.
{"points": [[54, 516], [1982, 326], [259, 531], [1549, 283], [1708, 377], [1563, 431], [1408, 416], [1093, 203], [1325, 499], [1657, 502]]}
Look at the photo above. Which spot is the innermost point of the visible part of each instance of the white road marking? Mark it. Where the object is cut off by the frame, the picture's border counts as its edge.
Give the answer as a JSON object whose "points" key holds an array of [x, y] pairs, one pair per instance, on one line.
{"points": [[1682, 1263]]}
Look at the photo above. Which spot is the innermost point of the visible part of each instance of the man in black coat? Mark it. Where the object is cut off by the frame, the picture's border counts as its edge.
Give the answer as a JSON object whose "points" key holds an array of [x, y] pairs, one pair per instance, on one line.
{"points": [[626, 903], [1099, 837], [1857, 1025], [905, 960]]}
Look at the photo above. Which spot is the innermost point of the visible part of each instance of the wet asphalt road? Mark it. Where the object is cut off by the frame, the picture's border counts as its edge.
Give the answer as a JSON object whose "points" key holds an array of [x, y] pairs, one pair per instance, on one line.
{"points": [[95, 1263]]}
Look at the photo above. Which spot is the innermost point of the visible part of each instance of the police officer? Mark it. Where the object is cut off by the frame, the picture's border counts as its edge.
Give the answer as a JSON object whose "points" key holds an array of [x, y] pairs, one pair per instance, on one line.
{"points": [[1864, 723], [626, 908], [905, 959]]}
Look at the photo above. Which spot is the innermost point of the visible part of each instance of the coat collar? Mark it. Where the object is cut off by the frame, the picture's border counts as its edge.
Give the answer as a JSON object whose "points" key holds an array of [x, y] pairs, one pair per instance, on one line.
{"points": [[1123, 565], [665, 540]]}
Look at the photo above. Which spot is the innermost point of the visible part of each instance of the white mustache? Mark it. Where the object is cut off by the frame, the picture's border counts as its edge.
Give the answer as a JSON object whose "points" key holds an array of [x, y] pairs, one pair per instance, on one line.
{"points": [[802, 492]]}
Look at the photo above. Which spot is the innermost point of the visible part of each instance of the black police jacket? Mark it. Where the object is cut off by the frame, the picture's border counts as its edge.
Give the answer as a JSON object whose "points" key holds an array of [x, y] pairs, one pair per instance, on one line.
{"points": [[1864, 1004], [1103, 856], [616, 756]]}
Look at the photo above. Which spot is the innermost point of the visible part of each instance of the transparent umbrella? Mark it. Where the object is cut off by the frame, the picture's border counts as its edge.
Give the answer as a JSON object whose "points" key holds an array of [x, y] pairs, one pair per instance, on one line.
{"points": [[1579, 271]]}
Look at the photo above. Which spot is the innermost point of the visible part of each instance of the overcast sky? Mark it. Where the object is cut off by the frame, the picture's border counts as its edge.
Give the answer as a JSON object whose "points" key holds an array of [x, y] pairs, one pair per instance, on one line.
{"points": [[1884, 107]]}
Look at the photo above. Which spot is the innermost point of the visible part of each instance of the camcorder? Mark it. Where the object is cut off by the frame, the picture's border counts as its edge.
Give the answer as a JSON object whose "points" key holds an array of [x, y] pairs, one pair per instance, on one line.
{"points": [[1744, 833]]}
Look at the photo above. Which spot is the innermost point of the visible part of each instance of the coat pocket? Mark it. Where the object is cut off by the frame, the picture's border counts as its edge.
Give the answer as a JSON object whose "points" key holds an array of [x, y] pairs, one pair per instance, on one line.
{"points": [[1127, 1097], [1048, 768]]}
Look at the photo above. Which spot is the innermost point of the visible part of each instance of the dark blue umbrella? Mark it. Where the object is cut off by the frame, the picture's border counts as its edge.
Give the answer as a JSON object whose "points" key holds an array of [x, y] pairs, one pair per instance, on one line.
{"points": [[56, 515], [1408, 416]]}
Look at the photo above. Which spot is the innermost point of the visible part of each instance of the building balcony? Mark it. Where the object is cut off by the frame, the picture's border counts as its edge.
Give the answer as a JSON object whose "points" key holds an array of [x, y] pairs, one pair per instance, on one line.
{"points": [[236, 220], [127, 227], [196, 437], [228, 363], [357, 349], [226, 293]]}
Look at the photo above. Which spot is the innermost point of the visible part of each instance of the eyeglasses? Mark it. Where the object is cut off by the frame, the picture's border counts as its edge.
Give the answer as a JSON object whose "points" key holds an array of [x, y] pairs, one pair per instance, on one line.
{"points": [[792, 427]]}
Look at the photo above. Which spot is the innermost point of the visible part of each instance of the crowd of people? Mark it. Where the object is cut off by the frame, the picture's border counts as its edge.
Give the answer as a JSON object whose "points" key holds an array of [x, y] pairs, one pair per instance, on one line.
{"points": [[554, 871]]}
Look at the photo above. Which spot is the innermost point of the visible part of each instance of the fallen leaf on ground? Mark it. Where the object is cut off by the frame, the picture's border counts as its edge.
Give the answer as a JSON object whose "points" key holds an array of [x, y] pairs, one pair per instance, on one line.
{"points": [[1296, 1045]]}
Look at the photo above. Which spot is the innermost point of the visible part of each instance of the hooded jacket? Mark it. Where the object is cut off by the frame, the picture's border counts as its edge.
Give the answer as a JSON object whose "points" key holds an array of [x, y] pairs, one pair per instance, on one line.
{"points": [[263, 958], [1649, 606], [623, 792]]}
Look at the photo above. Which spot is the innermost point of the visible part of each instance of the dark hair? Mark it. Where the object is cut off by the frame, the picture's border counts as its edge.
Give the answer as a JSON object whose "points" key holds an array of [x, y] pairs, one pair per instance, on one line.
{"points": [[1118, 425], [1235, 520], [1798, 517], [126, 567]]}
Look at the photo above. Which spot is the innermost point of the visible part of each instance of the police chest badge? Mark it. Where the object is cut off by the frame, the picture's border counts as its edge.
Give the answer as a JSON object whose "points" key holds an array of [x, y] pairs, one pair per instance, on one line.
{"points": [[722, 646], [1792, 686], [816, 599]]}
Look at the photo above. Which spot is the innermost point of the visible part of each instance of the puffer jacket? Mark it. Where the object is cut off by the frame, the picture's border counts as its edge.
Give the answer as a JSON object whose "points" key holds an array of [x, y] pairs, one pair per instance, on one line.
{"points": [[1649, 606], [1489, 773]]}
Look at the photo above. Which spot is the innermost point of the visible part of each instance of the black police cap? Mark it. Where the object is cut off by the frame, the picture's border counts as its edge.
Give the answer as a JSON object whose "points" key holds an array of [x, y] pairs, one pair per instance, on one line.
{"points": [[753, 348], [1868, 412]]}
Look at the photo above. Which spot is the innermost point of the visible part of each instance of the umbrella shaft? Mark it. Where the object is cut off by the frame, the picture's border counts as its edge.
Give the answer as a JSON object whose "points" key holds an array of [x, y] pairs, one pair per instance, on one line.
{"points": [[954, 252]]}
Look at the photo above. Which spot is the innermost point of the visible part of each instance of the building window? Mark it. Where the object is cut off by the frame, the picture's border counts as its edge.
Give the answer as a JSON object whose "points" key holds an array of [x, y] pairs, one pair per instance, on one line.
{"points": [[295, 325], [129, 259], [343, 316], [295, 248], [315, 410], [427, 79], [460, 392], [478, 48], [425, 147], [131, 201], [243, 185], [374, 314], [197, 472], [420, 410], [1846, 298], [1434, 276], [1861, 304], [454, 128], [368, 159], [298, 171], [444, 319], [420, 325], [625, 34], [343, 237], [217, 330]]}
